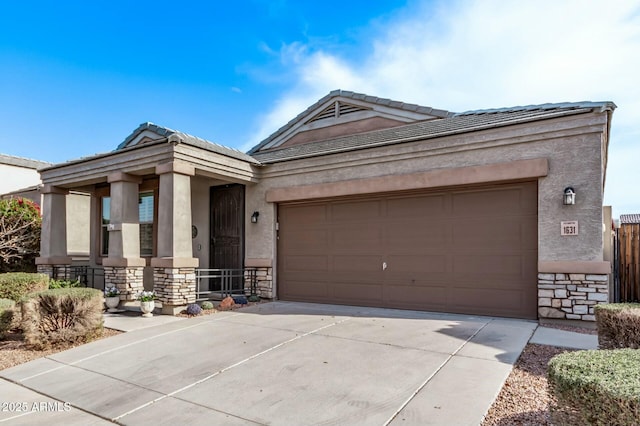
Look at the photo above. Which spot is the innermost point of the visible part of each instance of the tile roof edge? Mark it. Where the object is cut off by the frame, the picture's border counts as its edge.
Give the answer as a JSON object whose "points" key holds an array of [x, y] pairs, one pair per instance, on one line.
{"points": [[631, 218], [602, 105], [28, 163]]}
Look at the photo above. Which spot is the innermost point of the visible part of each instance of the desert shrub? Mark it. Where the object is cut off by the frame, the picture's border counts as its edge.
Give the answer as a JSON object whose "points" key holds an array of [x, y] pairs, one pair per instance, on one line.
{"points": [[194, 309], [64, 284], [598, 387], [20, 224], [62, 316], [206, 305], [7, 314], [15, 285], [618, 325]]}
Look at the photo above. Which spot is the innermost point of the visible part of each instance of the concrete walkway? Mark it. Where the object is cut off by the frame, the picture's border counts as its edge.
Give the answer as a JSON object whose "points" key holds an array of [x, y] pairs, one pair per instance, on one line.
{"points": [[564, 339], [276, 363]]}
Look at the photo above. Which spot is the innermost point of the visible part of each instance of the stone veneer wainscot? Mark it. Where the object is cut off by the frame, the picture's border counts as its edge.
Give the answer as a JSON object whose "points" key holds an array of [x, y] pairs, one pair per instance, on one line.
{"points": [[264, 282], [129, 280], [175, 286], [571, 296]]}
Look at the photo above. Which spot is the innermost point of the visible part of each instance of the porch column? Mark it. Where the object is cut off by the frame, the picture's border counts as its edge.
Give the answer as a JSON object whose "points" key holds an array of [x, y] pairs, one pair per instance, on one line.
{"points": [[53, 237], [174, 276], [124, 267]]}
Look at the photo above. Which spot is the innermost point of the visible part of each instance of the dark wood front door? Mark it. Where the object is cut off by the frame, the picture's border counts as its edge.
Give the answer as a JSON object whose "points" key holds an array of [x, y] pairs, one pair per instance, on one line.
{"points": [[227, 232]]}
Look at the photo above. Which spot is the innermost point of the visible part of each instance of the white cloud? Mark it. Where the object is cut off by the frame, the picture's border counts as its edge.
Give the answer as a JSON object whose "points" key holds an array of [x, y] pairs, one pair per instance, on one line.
{"points": [[489, 53]]}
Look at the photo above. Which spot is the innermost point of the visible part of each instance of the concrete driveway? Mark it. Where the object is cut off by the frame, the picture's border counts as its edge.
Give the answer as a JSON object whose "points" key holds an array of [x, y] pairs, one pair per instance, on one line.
{"points": [[277, 363]]}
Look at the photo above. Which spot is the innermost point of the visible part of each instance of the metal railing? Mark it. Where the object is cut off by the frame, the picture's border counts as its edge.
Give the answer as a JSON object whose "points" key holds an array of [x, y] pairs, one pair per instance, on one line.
{"points": [[88, 276], [220, 283]]}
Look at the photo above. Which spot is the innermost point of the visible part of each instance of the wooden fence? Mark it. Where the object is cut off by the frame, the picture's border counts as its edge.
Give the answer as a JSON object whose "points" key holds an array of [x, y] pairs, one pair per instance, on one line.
{"points": [[628, 263]]}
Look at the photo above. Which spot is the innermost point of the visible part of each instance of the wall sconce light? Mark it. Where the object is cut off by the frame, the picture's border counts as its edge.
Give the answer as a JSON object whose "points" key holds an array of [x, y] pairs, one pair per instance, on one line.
{"points": [[254, 217], [569, 196]]}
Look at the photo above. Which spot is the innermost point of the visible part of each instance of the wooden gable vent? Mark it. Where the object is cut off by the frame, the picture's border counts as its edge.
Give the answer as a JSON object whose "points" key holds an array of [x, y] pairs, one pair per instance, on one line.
{"points": [[337, 110]]}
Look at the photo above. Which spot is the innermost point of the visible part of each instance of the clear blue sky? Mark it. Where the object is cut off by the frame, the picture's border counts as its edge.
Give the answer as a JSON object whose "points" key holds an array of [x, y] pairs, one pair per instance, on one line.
{"points": [[77, 77]]}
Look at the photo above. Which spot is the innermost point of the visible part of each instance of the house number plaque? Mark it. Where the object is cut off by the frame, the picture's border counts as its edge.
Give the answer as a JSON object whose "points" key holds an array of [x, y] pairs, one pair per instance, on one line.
{"points": [[569, 227]]}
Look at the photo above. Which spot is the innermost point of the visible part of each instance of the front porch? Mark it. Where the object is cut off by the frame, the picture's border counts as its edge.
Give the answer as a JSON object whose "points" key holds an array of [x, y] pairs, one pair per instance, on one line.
{"points": [[156, 224]]}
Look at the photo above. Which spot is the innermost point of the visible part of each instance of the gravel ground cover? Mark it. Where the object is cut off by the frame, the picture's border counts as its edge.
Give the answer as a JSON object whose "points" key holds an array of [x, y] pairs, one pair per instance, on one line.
{"points": [[14, 351], [524, 399]]}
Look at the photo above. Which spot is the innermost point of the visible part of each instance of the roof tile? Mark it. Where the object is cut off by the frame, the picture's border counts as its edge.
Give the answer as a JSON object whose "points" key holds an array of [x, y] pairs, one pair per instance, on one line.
{"points": [[629, 218]]}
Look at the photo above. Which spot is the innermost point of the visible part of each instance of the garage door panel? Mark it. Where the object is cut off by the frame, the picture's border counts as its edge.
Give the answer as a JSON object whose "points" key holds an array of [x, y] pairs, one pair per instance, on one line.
{"points": [[306, 214], [501, 202], [348, 292], [358, 212], [309, 239], [529, 232], [357, 263], [357, 237], [489, 265], [411, 237], [424, 298], [469, 251], [302, 289], [502, 302], [417, 265], [433, 206], [307, 263], [501, 233]]}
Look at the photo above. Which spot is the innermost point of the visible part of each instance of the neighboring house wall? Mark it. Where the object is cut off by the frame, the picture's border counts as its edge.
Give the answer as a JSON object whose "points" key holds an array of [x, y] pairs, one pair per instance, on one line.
{"points": [[13, 178]]}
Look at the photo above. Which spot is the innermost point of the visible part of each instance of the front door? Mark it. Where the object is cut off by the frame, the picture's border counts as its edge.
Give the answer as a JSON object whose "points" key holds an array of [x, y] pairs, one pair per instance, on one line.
{"points": [[227, 238]]}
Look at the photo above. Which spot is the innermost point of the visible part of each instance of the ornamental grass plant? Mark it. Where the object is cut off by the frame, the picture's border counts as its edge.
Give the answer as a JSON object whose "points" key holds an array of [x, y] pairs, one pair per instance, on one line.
{"points": [[56, 317]]}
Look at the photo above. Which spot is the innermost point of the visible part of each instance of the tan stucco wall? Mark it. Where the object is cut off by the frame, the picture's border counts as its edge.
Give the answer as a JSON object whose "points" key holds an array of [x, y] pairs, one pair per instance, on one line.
{"points": [[78, 223], [571, 145], [200, 218]]}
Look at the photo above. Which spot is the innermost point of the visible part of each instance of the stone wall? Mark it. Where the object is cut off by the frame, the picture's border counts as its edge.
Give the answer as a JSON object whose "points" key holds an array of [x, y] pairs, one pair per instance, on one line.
{"points": [[129, 280], [571, 296], [55, 272], [264, 282], [175, 286]]}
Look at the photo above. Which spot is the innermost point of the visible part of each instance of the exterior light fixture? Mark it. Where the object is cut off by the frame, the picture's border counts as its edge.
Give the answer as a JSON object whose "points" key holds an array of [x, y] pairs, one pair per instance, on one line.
{"points": [[569, 196], [254, 217]]}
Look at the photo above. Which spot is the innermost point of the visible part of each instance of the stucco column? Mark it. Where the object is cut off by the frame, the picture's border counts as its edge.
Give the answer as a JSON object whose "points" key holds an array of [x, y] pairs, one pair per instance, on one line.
{"points": [[53, 236], [124, 266], [174, 278]]}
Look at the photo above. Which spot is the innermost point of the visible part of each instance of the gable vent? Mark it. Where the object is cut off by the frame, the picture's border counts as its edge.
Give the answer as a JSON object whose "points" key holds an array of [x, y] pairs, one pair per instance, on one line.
{"points": [[336, 110]]}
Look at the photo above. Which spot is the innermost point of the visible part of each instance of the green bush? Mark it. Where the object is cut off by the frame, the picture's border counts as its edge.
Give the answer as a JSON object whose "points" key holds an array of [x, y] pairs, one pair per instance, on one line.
{"points": [[206, 305], [7, 311], [14, 285], [618, 325], [62, 316], [64, 284], [598, 387]]}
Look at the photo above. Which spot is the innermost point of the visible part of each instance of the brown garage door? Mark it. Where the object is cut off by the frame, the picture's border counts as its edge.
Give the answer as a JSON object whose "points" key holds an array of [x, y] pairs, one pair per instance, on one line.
{"points": [[469, 251]]}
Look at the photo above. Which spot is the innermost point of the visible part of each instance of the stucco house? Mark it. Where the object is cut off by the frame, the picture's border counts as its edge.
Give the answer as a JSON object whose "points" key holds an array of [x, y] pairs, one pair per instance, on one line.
{"points": [[358, 200]]}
